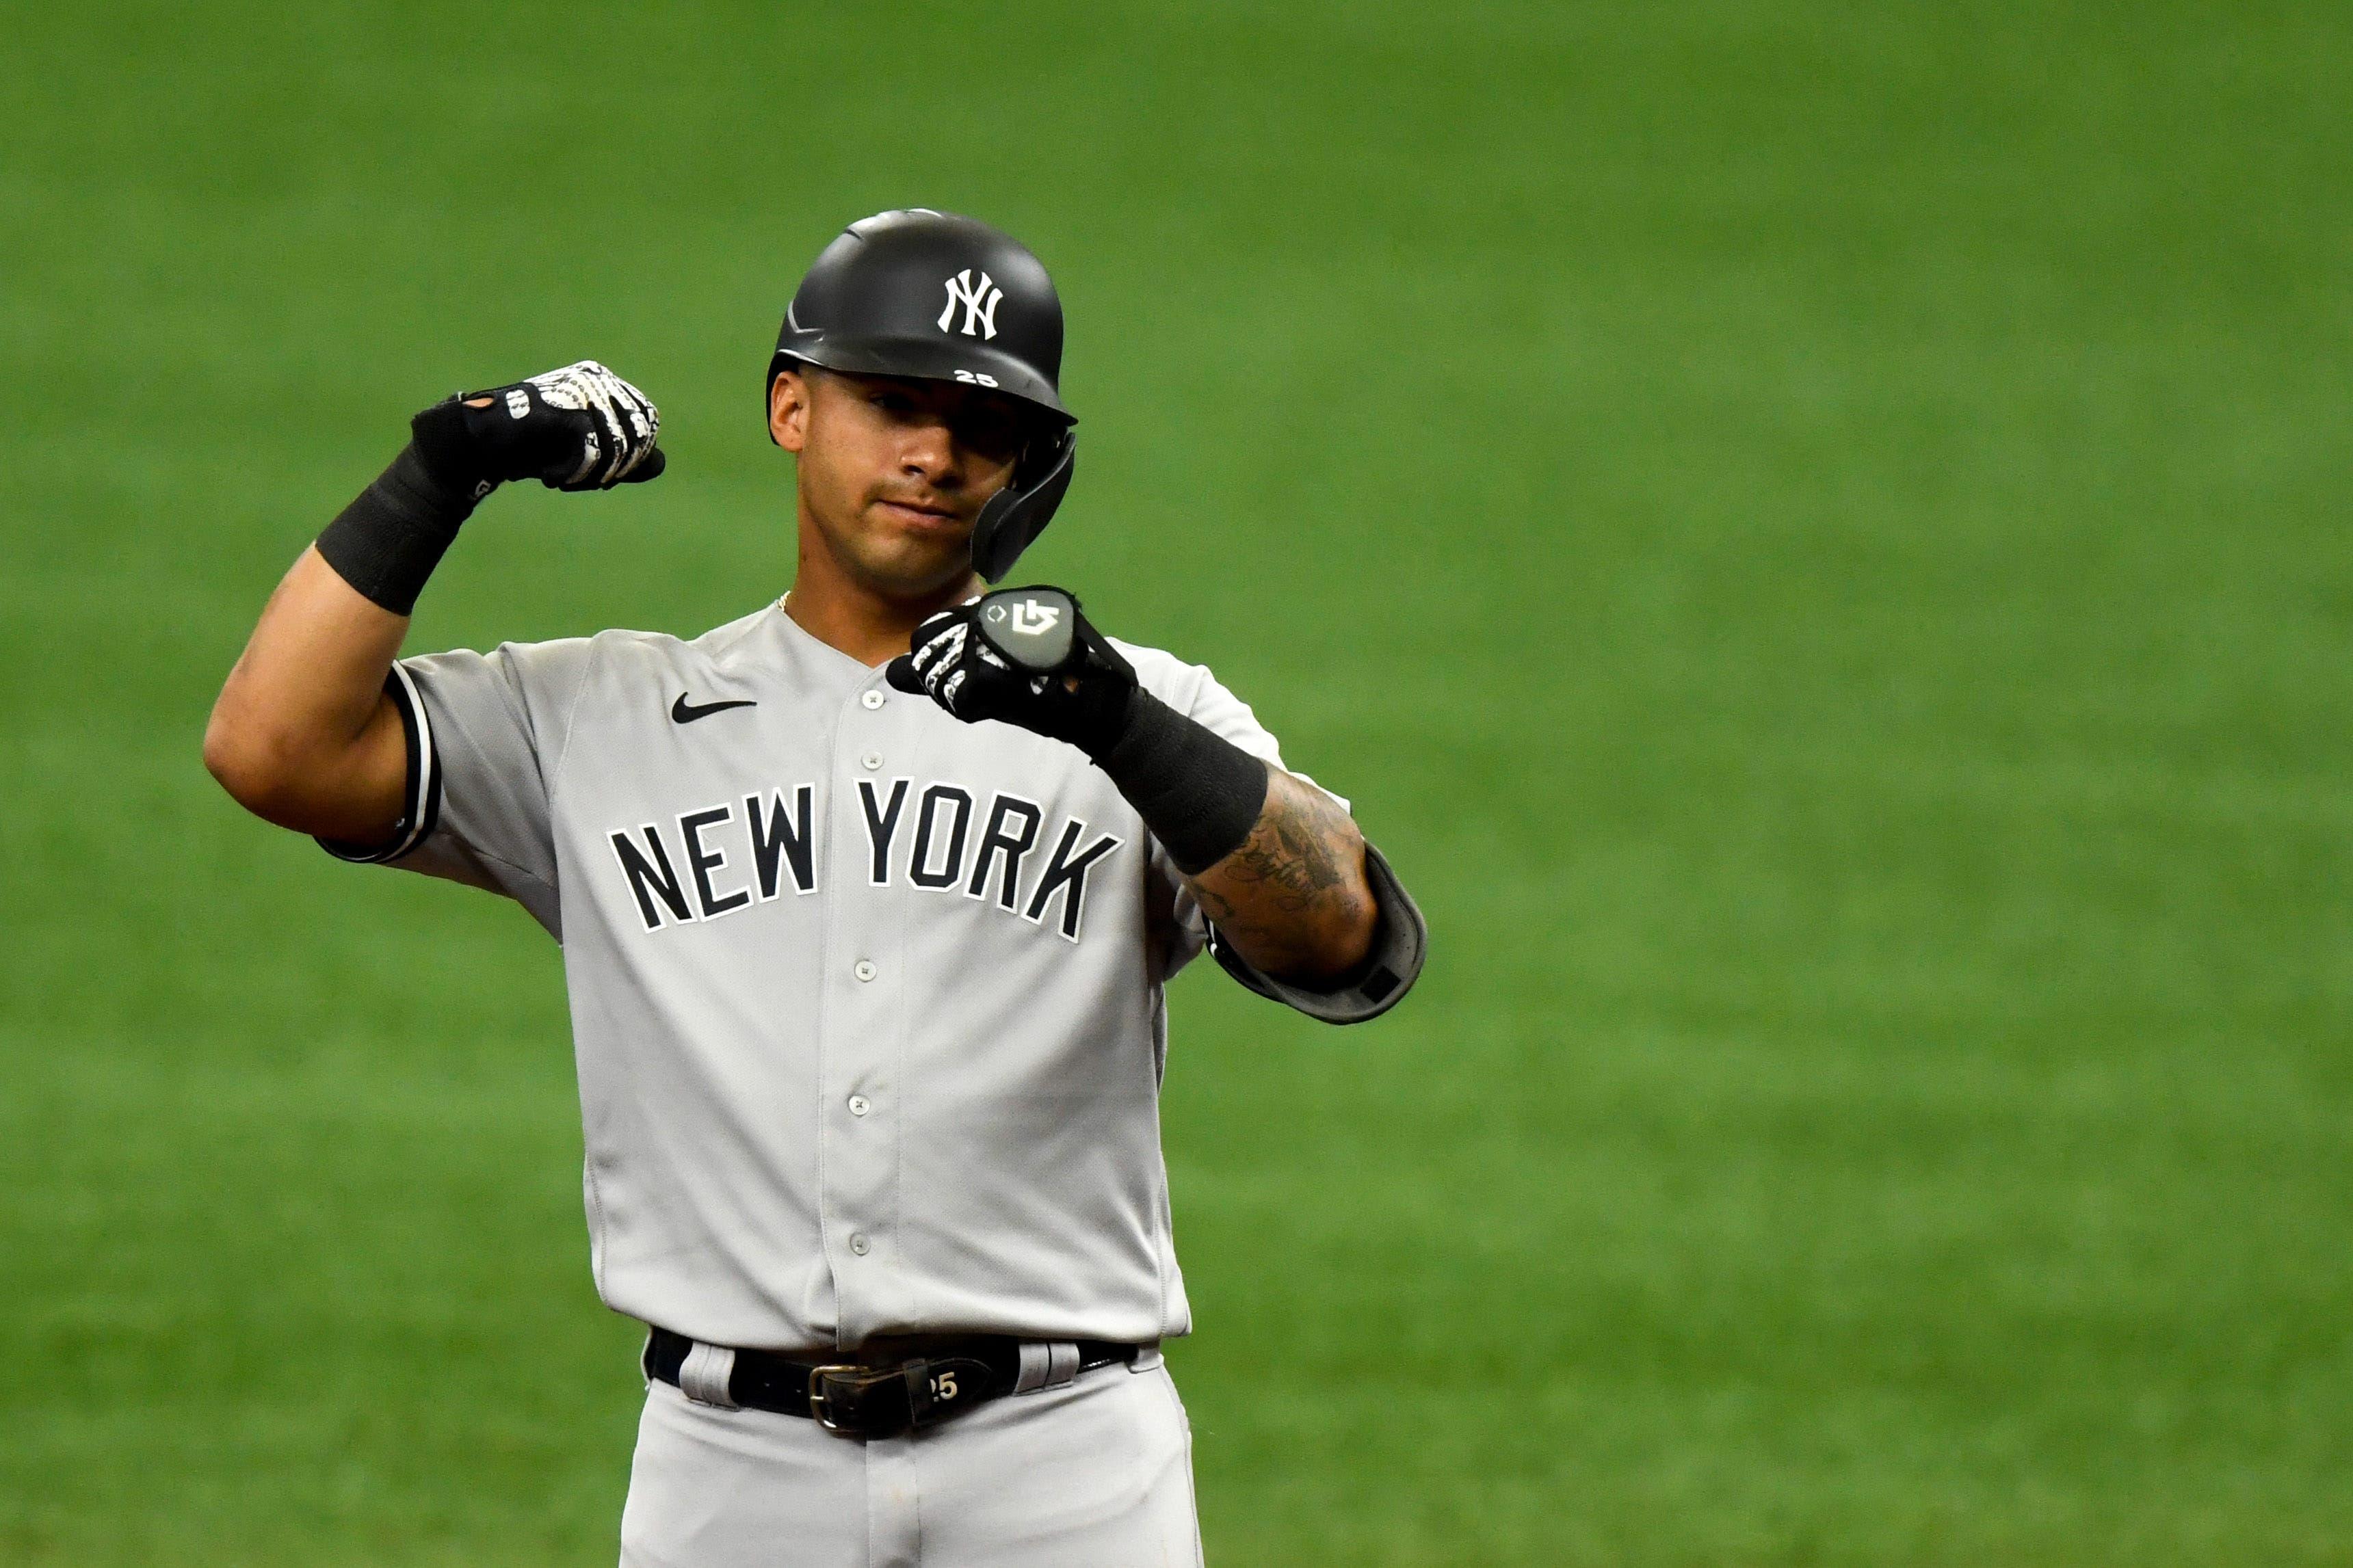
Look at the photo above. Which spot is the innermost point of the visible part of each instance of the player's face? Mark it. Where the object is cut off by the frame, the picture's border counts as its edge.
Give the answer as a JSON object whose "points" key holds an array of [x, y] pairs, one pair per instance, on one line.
{"points": [[894, 471]]}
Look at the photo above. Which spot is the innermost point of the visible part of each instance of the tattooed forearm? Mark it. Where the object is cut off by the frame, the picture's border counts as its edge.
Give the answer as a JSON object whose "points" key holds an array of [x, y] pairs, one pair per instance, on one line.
{"points": [[1292, 900]]}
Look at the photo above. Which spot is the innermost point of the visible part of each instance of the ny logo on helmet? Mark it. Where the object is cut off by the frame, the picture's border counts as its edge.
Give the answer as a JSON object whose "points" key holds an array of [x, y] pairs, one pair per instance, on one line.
{"points": [[979, 304]]}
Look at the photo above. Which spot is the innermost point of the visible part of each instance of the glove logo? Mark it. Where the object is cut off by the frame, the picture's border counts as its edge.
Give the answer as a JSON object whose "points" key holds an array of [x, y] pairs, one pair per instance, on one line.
{"points": [[979, 304], [518, 403], [1031, 619]]}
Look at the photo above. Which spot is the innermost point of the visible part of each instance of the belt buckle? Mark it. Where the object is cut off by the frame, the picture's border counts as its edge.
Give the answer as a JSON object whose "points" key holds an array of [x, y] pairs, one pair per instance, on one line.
{"points": [[820, 1406], [851, 1400]]}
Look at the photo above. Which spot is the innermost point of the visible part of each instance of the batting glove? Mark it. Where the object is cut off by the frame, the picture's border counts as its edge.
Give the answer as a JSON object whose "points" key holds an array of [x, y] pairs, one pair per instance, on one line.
{"points": [[1082, 701], [578, 428], [1027, 656]]}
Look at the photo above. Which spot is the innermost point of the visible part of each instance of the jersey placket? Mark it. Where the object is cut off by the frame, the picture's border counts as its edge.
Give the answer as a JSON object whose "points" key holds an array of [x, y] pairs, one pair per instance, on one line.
{"points": [[864, 1029]]}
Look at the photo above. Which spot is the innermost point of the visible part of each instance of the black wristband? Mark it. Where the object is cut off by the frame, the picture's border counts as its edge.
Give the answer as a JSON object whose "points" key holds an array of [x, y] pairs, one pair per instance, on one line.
{"points": [[387, 542], [1198, 792]]}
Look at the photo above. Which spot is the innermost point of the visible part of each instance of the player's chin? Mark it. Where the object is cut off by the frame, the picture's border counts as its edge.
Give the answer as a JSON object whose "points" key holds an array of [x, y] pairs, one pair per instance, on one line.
{"points": [[916, 559]]}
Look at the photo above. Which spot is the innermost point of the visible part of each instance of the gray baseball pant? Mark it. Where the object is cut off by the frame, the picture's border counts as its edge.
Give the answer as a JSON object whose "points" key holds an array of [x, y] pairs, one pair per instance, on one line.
{"points": [[1097, 1473]]}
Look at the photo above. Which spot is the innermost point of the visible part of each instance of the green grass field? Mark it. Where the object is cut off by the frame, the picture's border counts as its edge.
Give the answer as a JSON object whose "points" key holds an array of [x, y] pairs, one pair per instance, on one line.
{"points": [[1814, 535]]}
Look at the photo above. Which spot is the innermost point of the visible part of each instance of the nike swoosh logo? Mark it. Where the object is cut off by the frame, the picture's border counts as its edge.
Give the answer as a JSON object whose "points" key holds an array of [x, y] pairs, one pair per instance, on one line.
{"points": [[684, 712]]}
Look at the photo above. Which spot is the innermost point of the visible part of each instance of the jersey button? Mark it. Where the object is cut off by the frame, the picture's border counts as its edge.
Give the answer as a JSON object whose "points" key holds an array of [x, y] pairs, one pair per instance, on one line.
{"points": [[865, 968], [860, 1105], [858, 1242], [872, 699], [871, 761]]}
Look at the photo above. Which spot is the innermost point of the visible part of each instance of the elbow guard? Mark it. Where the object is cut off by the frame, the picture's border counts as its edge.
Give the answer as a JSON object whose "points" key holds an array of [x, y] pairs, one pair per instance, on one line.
{"points": [[1400, 940]]}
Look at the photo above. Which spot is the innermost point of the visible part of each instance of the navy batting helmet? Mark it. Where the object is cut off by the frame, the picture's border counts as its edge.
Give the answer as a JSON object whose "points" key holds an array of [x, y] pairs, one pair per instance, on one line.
{"points": [[930, 295]]}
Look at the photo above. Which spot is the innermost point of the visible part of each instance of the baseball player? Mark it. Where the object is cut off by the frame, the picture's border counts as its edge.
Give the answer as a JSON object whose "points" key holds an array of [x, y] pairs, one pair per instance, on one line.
{"points": [[866, 902]]}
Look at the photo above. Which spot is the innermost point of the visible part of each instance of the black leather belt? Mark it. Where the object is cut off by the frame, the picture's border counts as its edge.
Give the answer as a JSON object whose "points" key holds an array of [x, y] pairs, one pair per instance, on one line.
{"points": [[873, 1397]]}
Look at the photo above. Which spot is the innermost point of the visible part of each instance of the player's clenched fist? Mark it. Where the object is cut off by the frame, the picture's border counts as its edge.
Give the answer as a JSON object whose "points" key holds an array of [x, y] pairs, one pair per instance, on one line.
{"points": [[1024, 656], [578, 428], [1027, 656]]}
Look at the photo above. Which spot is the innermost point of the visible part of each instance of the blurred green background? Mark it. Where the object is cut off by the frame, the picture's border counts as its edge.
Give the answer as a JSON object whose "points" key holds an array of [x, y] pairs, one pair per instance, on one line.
{"points": [[1813, 534]]}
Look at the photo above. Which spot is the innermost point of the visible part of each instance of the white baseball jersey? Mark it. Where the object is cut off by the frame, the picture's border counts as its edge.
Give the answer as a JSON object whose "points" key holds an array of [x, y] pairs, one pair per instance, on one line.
{"points": [[866, 1001]]}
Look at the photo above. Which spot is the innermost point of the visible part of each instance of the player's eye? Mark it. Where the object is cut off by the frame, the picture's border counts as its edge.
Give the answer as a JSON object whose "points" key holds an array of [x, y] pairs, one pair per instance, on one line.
{"points": [[993, 432]]}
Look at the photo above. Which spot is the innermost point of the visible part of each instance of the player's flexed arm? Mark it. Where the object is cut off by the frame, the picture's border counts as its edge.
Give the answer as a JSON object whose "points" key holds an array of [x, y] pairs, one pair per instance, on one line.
{"points": [[305, 732], [1293, 892], [1295, 898]]}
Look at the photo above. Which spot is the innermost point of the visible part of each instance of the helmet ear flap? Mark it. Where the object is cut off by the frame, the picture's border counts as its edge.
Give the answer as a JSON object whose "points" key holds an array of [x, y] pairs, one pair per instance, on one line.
{"points": [[1020, 513]]}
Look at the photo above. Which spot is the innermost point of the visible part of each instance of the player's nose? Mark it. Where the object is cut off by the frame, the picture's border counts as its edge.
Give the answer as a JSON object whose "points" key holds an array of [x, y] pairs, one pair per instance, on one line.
{"points": [[932, 454]]}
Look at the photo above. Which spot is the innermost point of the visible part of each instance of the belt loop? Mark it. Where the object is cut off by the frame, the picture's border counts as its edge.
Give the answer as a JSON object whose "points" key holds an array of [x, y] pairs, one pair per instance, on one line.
{"points": [[705, 1374], [1033, 1376], [1046, 1363]]}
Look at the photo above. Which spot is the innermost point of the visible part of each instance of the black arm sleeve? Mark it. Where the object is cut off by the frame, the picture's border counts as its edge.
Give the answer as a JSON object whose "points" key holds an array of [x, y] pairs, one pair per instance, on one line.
{"points": [[1198, 792], [387, 542], [1400, 941]]}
